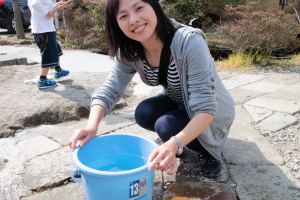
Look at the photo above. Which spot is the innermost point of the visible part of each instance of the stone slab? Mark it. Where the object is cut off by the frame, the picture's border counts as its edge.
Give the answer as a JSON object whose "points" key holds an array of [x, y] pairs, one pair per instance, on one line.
{"points": [[280, 105], [277, 121], [290, 93], [48, 169], [137, 130], [286, 79], [38, 145], [240, 80], [225, 74], [257, 114], [188, 191], [246, 146], [108, 124], [72, 191], [113, 122], [6, 60], [129, 114], [262, 182], [158, 185], [263, 86], [11, 168], [241, 96]]}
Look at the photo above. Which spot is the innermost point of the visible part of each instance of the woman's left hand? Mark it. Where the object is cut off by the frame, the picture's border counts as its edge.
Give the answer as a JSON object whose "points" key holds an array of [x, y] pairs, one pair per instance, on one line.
{"points": [[163, 157]]}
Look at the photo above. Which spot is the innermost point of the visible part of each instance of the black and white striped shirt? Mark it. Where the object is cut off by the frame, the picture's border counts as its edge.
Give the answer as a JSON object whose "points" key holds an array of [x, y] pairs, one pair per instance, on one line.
{"points": [[174, 89]]}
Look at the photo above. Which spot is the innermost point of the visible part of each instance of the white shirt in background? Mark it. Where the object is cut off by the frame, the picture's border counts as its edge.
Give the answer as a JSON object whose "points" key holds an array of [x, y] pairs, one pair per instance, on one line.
{"points": [[39, 22]]}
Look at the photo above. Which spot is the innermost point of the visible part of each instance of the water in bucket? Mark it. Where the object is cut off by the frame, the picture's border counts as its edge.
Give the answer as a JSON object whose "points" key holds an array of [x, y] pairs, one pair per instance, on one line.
{"points": [[118, 162], [115, 167]]}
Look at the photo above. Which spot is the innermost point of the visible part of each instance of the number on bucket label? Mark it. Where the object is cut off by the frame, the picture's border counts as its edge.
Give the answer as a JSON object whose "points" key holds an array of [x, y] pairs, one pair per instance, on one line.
{"points": [[137, 189]]}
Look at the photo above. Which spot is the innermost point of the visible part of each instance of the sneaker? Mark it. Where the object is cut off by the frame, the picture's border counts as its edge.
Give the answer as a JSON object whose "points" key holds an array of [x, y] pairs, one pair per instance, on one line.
{"points": [[210, 166], [46, 84], [62, 74]]}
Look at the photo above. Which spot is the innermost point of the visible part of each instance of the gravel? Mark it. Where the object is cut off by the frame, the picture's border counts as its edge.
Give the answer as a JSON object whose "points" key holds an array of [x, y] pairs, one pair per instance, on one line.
{"points": [[287, 143]]}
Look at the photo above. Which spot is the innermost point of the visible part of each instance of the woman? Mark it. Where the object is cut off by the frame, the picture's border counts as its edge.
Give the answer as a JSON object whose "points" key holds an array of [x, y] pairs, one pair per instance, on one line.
{"points": [[195, 109]]}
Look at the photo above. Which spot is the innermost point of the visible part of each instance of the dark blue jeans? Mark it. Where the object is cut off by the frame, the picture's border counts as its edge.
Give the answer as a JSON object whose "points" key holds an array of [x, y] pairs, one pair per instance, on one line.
{"points": [[162, 115]]}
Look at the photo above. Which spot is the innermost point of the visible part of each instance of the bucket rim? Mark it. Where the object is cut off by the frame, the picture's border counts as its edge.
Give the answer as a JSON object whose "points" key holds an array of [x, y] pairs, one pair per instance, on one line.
{"points": [[85, 169]]}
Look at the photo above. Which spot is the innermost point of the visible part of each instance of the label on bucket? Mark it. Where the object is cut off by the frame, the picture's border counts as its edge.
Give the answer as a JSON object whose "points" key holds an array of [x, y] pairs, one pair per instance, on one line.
{"points": [[137, 189]]}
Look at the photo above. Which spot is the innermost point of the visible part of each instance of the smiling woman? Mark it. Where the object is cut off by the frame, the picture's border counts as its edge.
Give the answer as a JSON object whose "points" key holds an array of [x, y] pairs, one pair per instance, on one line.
{"points": [[129, 21], [195, 110]]}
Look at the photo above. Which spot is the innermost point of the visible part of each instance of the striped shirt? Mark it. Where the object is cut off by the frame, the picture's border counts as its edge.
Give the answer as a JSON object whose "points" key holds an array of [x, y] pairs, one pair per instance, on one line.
{"points": [[174, 90]]}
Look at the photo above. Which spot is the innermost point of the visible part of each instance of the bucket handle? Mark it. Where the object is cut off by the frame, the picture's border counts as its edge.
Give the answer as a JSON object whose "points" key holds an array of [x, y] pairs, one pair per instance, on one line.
{"points": [[76, 175]]}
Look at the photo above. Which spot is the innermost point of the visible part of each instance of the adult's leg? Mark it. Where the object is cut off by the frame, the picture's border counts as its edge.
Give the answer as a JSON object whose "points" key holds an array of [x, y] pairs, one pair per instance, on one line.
{"points": [[172, 123], [149, 110], [162, 115]]}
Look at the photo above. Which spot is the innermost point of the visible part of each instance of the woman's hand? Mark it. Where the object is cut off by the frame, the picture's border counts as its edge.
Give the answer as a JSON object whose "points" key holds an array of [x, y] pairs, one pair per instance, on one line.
{"points": [[83, 134], [163, 157]]}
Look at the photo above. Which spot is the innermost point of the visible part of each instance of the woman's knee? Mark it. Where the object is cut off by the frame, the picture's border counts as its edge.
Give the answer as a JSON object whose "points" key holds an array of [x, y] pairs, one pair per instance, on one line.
{"points": [[144, 115], [171, 123], [166, 127]]}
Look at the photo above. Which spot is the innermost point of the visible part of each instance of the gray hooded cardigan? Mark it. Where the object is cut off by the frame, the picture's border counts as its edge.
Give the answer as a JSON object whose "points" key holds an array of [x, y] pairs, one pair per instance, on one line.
{"points": [[202, 88]]}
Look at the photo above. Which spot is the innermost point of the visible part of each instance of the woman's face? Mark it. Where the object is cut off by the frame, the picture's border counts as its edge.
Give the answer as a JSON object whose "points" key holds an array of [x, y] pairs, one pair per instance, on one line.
{"points": [[137, 20]]}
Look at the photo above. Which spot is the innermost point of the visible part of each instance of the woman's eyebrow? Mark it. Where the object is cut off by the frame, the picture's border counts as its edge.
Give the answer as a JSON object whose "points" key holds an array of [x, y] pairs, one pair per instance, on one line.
{"points": [[123, 11]]}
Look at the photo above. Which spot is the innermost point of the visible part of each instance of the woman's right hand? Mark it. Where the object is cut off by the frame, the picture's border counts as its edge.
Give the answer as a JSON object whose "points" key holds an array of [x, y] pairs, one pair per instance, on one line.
{"points": [[83, 134]]}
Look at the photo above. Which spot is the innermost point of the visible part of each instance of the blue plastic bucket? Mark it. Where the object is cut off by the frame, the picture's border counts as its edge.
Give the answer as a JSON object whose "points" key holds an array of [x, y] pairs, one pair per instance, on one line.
{"points": [[115, 167]]}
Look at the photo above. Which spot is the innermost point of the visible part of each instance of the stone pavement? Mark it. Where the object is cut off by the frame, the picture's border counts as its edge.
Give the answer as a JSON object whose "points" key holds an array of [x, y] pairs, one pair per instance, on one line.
{"points": [[40, 162]]}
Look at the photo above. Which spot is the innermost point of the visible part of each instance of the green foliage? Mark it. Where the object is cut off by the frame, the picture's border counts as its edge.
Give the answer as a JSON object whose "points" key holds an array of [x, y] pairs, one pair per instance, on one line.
{"points": [[182, 10], [98, 13]]}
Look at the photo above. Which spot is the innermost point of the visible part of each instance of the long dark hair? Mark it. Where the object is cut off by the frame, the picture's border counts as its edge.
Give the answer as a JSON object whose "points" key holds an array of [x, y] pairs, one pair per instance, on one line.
{"points": [[132, 50]]}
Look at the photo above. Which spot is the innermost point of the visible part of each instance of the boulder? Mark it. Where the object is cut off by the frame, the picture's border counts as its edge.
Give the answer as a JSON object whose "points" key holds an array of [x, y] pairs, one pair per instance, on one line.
{"points": [[25, 105]]}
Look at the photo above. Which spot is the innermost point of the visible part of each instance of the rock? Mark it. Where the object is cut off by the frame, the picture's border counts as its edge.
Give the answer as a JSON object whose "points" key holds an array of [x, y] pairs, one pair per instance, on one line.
{"points": [[23, 42], [265, 63], [6, 42], [99, 51], [29, 106], [120, 104]]}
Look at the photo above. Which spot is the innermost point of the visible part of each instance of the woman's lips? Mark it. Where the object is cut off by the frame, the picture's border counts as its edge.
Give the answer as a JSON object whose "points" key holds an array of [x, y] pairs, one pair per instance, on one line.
{"points": [[139, 29]]}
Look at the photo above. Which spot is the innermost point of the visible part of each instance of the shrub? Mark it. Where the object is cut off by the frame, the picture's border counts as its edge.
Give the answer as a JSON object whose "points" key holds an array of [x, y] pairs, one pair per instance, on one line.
{"points": [[84, 24], [257, 32], [182, 10]]}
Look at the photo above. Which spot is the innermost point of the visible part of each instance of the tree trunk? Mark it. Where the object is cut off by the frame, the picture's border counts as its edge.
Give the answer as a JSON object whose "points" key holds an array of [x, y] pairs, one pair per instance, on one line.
{"points": [[18, 19]]}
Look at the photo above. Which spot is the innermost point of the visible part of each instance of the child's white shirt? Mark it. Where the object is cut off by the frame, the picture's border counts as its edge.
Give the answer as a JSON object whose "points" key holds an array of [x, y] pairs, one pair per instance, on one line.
{"points": [[39, 22]]}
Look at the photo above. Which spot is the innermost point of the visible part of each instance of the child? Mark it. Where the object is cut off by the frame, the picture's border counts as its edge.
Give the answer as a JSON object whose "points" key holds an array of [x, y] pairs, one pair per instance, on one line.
{"points": [[44, 33]]}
